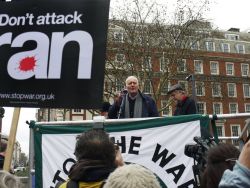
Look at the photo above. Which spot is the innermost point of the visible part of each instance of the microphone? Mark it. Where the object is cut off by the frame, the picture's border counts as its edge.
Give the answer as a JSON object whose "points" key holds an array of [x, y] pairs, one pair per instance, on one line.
{"points": [[120, 110]]}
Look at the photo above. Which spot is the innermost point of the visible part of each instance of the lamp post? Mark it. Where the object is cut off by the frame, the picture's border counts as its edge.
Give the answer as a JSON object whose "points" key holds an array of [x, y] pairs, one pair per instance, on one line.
{"points": [[1, 117], [191, 78]]}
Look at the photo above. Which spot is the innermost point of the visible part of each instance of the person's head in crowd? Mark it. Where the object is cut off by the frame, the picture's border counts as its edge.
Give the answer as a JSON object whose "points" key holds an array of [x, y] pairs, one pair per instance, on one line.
{"points": [[239, 177], [176, 92], [3, 145], [105, 109], [96, 156], [219, 158], [95, 144], [2, 152], [132, 176], [8, 180], [132, 85]]}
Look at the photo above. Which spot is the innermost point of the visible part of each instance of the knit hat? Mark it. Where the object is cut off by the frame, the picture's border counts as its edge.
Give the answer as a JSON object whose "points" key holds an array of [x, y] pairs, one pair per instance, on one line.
{"points": [[132, 176]]}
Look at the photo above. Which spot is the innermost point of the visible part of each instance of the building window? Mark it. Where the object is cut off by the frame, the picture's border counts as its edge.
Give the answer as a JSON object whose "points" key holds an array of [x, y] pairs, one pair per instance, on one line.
{"points": [[217, 108], [240, 48], [162, 42], [247, 108], [139, 40], [244, 69], [147, 86], [232, 37], [230, 69], [214, 67], [119, 57], [147, 63], [181, 65], [166, 109], [246, 90], [119, 85], [200, 89], [184, 85], [231, 88], [194, 45], [165, 88], [163, 64], [220, 130], [235, 132], [225, 47], [201, 108], [198, 66], [233, 108], [210, 46], [118, 36], [77, 110], [216, 89]]}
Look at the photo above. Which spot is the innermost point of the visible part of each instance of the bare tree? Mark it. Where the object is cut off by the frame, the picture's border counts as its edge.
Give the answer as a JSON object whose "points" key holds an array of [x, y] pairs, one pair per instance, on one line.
{"points": [[150, 40]]}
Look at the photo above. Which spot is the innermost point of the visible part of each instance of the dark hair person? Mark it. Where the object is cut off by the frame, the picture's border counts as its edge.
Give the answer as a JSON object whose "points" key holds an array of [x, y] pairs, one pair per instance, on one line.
{"points": [[219, 158], [96, 158]]}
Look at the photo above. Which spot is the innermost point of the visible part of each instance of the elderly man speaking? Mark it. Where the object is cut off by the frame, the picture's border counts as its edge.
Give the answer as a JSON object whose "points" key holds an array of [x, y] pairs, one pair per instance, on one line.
{"points": [[134, 104]]}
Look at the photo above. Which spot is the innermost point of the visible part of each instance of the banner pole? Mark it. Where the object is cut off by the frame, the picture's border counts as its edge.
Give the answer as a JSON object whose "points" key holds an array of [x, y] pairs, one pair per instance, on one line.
{"points": [[11, 140], [31, 154]]}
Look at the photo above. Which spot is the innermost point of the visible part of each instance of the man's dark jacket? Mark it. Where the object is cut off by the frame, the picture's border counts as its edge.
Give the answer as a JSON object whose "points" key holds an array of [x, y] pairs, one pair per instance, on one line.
{"points": [[185, 107], [149, 108]]}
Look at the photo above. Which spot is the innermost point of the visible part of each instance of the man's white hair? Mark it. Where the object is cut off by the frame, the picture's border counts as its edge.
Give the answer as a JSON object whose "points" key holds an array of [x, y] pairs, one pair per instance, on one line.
{"points": [[131, 77], [132, 176]]}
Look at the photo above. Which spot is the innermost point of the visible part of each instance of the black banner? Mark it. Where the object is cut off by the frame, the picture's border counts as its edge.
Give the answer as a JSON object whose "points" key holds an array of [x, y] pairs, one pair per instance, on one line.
{"points": [[52, 53]]}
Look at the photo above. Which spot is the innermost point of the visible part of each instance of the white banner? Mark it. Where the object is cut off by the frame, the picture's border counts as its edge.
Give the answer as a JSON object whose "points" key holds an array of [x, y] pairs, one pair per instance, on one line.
{"points": [[160, 149]]}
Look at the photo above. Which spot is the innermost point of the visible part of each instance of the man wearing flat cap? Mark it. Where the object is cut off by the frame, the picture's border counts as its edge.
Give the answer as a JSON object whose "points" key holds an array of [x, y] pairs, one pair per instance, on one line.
{"points": [[185, 105]]}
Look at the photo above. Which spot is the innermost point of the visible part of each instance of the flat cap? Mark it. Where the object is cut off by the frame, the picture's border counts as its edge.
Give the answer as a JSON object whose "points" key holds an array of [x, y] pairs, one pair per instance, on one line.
{"points": [[174, 88]]}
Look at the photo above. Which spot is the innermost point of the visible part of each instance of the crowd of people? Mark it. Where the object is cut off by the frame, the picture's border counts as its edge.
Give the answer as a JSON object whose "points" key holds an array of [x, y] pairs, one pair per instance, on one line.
{"points": [[100, 164]]}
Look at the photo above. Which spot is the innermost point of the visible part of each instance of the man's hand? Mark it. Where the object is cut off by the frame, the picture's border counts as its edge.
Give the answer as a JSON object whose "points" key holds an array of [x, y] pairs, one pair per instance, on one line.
{"points": [[244, 158]]}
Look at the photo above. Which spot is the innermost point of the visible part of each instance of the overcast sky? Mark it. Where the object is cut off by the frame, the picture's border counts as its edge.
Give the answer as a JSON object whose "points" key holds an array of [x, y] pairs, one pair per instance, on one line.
{"points": [[230, 13], [22, 136], [223, 13]]}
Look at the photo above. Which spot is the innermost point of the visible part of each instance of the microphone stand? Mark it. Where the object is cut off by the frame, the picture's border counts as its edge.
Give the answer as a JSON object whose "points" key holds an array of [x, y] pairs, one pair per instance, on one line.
{"points": [[120, 109]]}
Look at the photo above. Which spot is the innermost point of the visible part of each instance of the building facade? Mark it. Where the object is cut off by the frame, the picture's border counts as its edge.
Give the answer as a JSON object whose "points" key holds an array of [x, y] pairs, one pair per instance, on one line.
{"points": [[222, 83], [45, 114], [219, 64]]}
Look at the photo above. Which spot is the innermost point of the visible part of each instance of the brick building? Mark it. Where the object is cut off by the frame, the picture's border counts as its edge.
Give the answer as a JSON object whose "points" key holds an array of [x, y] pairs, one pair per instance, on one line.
{"points": [[45, 114], [219, 64], [222, 81]]}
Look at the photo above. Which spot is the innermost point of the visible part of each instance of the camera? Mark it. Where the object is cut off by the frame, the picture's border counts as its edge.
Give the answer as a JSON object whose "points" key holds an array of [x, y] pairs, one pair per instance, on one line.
{"points": [[198, 152], [193, 150]]}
